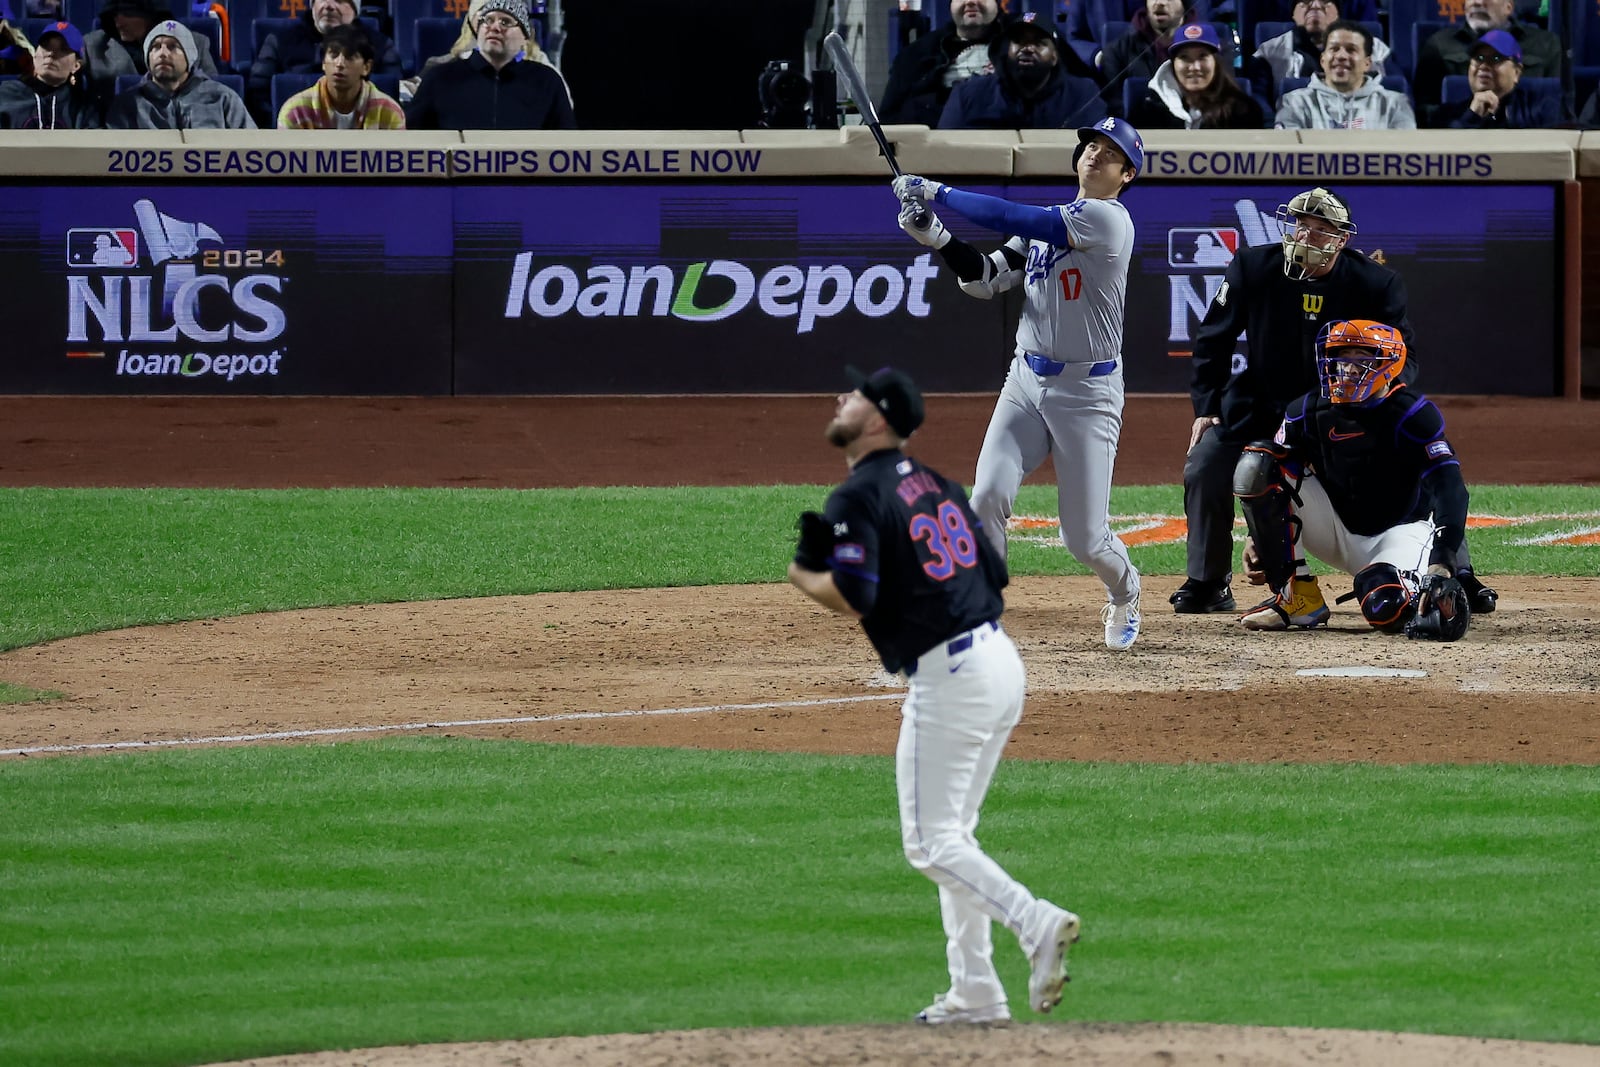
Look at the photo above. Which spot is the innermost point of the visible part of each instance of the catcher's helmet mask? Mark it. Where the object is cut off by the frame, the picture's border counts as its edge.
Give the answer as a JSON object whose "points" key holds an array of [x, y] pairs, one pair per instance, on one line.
{"points": [[1308, 248], [1359, 361]]}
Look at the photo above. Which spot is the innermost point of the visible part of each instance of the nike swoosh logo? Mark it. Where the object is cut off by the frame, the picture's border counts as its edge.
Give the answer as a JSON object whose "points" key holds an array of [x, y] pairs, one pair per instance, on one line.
{"points": [[1335, 435], [957, 667]]}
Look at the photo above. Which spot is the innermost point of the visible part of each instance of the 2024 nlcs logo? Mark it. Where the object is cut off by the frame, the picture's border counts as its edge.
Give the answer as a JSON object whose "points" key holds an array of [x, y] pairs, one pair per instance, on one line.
{"points": [[201, 296]]}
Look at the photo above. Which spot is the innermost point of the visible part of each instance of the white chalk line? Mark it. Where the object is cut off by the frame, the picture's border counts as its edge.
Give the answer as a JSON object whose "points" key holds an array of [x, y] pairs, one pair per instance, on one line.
{"points": [[332, 731]]}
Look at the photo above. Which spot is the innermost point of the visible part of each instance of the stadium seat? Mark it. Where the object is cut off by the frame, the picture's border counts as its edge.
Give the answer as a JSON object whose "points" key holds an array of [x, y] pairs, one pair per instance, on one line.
{"points": [[1133, 90], [286, 85], [431, 37]]}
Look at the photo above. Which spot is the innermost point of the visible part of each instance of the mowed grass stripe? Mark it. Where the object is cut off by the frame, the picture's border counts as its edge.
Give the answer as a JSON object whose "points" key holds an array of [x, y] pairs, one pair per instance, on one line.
{"points": [[180, 907]]}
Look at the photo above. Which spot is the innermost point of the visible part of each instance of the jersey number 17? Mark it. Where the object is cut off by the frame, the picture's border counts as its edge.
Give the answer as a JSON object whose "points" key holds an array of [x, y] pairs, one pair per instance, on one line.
{"points": [[1071, 283]]}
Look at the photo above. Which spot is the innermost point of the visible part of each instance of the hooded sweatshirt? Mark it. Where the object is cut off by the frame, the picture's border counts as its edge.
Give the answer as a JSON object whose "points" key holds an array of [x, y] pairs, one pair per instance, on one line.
{"points": [[30, 104], [1321, 107], [198, 104]]}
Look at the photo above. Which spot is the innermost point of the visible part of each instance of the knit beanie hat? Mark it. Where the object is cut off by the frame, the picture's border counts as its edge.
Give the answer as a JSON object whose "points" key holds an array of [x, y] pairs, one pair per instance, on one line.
{"points": [[514, 8], [175, 29]]}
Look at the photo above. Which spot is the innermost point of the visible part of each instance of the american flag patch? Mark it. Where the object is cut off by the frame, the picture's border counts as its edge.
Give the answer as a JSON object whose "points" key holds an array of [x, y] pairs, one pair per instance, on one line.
{"points": [[849, 553], [1438, 449]]}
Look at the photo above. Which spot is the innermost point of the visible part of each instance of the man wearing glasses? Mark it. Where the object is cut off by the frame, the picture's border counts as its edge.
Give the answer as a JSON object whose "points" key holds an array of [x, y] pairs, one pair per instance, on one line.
{"points": [[495, 88], [1449, 50], [1499, 100]]}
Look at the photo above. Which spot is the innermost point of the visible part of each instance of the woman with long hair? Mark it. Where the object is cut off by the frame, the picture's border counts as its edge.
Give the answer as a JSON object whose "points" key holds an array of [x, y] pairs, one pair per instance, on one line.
{"points": [[1194, 90]]}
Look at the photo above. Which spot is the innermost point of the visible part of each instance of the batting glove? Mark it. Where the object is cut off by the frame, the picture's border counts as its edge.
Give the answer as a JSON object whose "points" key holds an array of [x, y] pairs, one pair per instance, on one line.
{"points": [[930, 232], [916, 187]]}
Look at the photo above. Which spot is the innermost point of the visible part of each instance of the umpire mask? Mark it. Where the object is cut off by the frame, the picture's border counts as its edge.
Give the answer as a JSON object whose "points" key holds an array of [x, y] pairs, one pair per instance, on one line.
{"points": [[1315, 226]]}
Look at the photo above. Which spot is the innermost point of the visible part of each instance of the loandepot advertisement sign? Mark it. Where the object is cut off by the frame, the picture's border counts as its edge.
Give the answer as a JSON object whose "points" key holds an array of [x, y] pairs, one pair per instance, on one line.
{"points": [[628, 288]]}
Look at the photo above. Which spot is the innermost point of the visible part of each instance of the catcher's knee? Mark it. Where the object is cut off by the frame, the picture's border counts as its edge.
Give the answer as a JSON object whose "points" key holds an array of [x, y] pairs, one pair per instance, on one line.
{"points": [[1388, 600], [1261, 470]]}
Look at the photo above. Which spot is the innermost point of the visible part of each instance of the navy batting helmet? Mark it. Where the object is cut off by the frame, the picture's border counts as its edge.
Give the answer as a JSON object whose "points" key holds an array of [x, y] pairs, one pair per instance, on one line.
{"points": [[1122, 134]]}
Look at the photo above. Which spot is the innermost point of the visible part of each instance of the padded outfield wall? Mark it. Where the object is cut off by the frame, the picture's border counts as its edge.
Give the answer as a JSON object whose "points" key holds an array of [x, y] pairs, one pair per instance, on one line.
{"points": [[214, 262]]}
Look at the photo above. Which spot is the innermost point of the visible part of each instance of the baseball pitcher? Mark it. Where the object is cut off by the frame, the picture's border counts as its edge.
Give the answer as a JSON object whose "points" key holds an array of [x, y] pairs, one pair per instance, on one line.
{"points": [[900, 549], [1063, 393]]}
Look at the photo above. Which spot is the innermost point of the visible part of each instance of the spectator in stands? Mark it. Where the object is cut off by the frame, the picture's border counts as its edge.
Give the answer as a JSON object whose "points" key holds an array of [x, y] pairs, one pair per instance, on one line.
{"points": [[1029, 89], [1447, 51], [176, 94], [1194, 91], [1346, 95], [118, 46], [298, 50], [466, 44], [1140, 52], [344, 98], [1589, 117], [1499, 101], [493, 89], [55, 96], [1298, 53], [925, 72]]}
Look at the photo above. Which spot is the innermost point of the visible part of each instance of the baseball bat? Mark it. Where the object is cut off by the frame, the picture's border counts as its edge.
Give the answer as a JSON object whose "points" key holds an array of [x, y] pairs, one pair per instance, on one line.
{"points": [[833, 44]]}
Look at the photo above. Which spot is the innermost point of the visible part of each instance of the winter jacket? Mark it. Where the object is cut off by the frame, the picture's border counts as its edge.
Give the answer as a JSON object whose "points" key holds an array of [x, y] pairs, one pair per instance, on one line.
{"points": [[916, 92], [1296, 55], [312, 109], [470, 94], [199, 104], [1162, 108], [30, 104], [1447, 52], [1320, 107], [1518, 110], [298, 50]]}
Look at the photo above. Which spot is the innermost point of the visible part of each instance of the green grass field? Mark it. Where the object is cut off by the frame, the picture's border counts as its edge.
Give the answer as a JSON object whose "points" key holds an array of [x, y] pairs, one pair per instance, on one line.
{"points": [[184, 907]]}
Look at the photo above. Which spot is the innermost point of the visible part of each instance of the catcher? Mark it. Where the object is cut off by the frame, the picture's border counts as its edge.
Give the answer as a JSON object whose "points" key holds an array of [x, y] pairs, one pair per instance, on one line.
{"points": [[1360, 475]]}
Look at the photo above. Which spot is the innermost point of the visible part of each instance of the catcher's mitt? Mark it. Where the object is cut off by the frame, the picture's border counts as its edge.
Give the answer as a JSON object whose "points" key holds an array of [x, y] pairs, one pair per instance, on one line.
{"points": [[816, 541], [1443, 609]]}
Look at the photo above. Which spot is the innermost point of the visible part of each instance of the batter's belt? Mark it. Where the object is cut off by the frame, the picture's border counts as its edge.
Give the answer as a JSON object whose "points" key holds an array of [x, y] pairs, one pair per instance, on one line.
{"points": [[1049, 368]]}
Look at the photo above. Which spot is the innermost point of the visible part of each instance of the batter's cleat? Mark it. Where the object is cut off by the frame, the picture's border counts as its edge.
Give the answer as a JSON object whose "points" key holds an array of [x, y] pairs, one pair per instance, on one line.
{"points": [[1049, 972], [942, 1013], [1481, 598], [1195, 597], [1122, 624], [1300, 605]]}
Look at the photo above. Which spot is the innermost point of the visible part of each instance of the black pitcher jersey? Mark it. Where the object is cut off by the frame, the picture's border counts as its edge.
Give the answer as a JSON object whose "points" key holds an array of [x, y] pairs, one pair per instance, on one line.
{"points": [[911, 557], [1382, 465]]}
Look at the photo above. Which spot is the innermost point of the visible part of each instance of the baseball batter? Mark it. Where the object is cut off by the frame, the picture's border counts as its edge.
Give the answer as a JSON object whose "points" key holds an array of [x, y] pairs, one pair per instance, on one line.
{"points": [[1063, 395], [900, 549], [1361, 475]]}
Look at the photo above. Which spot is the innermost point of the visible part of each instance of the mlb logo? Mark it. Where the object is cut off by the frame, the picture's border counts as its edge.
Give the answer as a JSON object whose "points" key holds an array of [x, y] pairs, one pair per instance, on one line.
{"points": [[102, 247], [1192, 246]]}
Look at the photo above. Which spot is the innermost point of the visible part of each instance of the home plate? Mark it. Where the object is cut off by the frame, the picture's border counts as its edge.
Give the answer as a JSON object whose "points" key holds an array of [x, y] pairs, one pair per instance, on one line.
{"points": [[1360, 672]]}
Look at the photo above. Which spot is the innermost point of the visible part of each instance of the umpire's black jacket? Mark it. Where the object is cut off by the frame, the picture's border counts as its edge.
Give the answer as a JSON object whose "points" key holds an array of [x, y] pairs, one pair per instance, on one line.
{"points": [[1282, 317]]}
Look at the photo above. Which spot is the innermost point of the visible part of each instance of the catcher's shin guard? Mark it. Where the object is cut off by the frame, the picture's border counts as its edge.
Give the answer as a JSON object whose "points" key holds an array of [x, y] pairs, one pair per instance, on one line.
{"points": [[1388, 598], [1443, 610], [1265, 481]]}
